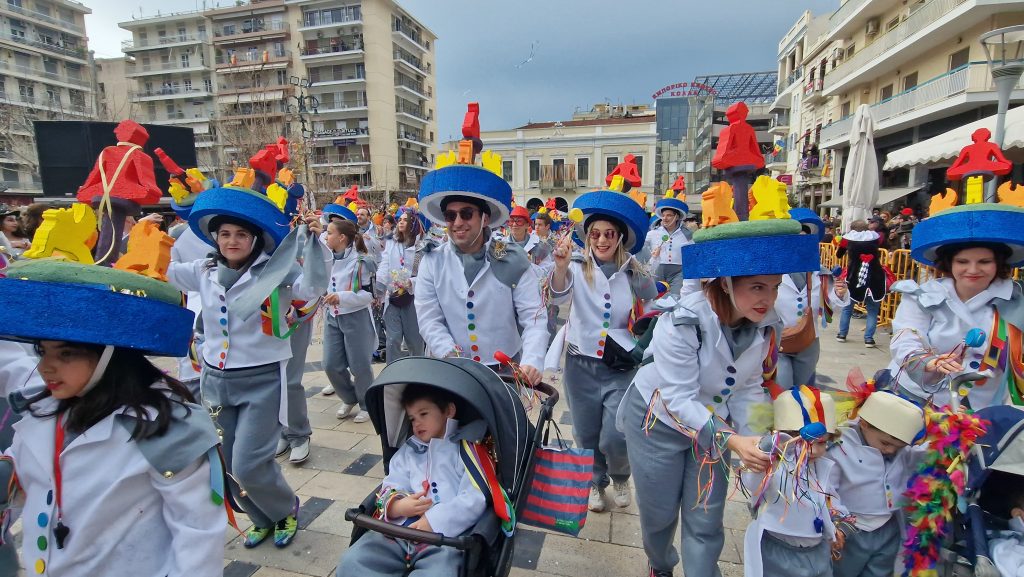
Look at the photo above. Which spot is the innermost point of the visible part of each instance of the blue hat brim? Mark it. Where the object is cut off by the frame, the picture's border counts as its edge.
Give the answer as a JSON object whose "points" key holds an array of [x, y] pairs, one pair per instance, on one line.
{"points": [[618, 206], [967, 224], [465, 180], [811, 219], [751, 255], [673, 203], [339, 210], [36, 310], [252, 207]]}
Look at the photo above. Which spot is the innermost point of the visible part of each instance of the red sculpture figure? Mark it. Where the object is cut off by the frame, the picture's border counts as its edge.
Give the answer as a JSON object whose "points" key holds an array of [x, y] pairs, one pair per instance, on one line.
{"points": [[550, 204], [679, 186], [267, 162], [739, 155], [125, 173], [628, 171], [470, 134], [983, 158], [352, 194]]}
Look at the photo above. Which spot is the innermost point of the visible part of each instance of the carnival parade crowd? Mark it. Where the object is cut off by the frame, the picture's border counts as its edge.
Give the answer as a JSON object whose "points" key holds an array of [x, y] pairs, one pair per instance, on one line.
{"points": [[687, 351]]}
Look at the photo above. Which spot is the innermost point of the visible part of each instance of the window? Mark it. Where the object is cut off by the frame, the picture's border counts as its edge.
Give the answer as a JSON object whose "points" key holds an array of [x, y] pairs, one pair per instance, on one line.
{"points": [[845, 110], [282, 77], [910, 81], [960, 58], [892, 24], [639, 165], [583, 171], [10, 175], [885, 93], [534, 171], [207, 85], [52, 96], [850, 50], [506, 170], [184, 60], [610, 163], [188, 85]]}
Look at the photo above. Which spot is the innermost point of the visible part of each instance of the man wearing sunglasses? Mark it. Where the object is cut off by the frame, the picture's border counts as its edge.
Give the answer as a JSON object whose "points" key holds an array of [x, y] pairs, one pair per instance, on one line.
{"points": [[477, 294]]}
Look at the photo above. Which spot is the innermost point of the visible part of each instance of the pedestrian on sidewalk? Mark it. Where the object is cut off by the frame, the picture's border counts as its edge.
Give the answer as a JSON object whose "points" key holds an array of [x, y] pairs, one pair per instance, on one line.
{"points": [[865, 278], [396, 279], [602, 287], [708, 364]]}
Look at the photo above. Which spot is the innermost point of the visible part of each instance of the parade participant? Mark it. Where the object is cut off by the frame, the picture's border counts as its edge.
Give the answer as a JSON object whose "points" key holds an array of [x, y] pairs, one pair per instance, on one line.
{"points": [[396, 278], [349, 332], [974, 248], [454, 505], [374, 242], [873, 463], [690, 402], [13, 239], [110, 434], [793, 524], [667, 240], [805, 304], [245, 356], [865, 278], [519, 233], [543, 226], [330, 213], [602, 286], [476, 294]]}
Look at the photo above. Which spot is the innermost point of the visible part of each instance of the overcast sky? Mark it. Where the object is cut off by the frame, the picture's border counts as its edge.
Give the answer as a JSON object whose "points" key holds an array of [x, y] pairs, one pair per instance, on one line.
{"points": [[583, 51]]}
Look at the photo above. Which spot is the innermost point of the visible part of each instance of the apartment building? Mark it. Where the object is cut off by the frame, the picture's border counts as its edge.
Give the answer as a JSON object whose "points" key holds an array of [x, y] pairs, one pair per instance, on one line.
{"points": [[114, 91], [919, 66], [560, 160], [44, 75]]}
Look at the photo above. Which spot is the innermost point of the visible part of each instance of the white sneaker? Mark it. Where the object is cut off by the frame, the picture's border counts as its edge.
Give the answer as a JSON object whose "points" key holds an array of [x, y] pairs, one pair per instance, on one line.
{"points": [[346, 410], [282, 447], [300, 453], [328, 391], [621, 494], [598, 502], [362, 417]]}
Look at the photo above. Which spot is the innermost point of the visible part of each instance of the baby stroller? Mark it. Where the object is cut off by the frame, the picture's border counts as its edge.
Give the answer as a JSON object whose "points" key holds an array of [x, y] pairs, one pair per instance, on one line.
{"points": [[485, 402], [995, 472]]}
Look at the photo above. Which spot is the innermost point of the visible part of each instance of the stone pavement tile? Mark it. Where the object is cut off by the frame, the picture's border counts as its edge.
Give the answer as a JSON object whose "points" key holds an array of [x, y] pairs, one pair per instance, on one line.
{"points": [[563, 555], [326, 459], [312, 508], [377, 472], [737, 515], [333, 520], [597, 528], [528, 547], [322, 421], [731, 551], [517, 572], [370, 444], [348, 490], [354, 427], [364, 463], [240, 569], [626, 530], [271, 572], [297, 476], [332, 439], [311, 553], [318, 404], [730, 569]]}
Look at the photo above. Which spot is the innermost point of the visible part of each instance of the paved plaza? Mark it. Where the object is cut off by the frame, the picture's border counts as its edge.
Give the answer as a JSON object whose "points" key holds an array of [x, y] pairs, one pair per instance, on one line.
{"points": [[346, 465]]}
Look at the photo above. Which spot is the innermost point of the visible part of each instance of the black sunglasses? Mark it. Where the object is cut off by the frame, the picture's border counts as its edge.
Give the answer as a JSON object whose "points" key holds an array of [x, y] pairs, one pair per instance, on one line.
{"points": [[465, 213]]}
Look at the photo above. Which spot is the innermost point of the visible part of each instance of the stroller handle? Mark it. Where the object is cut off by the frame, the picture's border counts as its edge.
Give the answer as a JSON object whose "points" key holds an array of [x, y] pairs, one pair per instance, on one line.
{"points": [[360, 519], [549, 392]]}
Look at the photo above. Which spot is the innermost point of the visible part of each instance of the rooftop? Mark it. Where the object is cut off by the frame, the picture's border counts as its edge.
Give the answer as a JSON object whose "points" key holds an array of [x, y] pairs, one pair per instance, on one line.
{"points": [[643, 119]]}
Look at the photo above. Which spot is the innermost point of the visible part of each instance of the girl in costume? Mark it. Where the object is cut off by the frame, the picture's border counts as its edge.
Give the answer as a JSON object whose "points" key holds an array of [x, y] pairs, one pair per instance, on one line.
{"points": [[113, 464], [603, 286], [350, 336], [398, 268], [805, 303], [707, 365], [973, 248], [330, 213], [245, 291]]}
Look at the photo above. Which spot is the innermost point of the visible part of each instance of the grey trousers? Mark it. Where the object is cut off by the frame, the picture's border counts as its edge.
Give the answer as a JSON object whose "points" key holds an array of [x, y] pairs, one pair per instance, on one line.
{"points": [[594, 392], [400, 324], [798, 369], [349, 342], [375, 555], [870, 553], [298, 429], [245, 404], [665, 477], [671, 274], [781, 558], [8, 557]]}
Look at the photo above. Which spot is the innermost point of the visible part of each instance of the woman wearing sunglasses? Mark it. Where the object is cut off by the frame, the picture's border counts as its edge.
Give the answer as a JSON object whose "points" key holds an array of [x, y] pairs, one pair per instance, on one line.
{"points": [[601, 285]]}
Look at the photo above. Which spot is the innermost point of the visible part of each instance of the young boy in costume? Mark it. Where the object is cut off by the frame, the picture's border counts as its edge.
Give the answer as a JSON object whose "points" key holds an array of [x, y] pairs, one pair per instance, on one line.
{"points": [[427, 488]]}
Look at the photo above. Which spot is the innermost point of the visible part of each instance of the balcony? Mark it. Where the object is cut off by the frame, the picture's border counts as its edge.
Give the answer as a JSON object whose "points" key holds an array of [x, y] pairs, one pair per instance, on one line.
{"points": [[955, 91], [231, 34], [315, 20], [252, 60], [41, 17], [334, 158], [43, 103], [789, 80], [411, 111], [776, 160], [415, 89], [170, 93], [910, 38], [408, 37], [328, 78], [67, 51], [203, 140], [414, 164], [180, 117], [780, 124], [343, 133], [558, 178], [415, 138], [346, 108], [813, 91], [28, 71], [413, 64], [165, 67], [335, 50], [224, 89], [840, 16], [162, 42]]}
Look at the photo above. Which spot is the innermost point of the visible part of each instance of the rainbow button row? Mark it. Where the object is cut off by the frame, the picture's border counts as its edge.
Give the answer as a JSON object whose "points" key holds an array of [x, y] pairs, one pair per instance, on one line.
{"points": [[471, 326], [606, 322], [730, 382], [223, 320], [800, 306], [44, 521]]}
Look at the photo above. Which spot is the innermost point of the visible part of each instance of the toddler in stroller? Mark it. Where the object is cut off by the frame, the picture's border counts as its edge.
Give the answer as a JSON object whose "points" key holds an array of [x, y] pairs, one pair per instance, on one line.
{"points": [[458, 450]]}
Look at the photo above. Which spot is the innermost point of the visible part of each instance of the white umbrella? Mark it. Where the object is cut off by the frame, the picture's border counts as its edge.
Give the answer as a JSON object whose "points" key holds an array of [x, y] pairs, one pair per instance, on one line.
{"points": [[860, 188]]}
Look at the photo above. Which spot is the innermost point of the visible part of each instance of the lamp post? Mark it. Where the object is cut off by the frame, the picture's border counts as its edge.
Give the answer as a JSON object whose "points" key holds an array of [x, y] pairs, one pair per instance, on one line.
{"points": [[1004, 49], [303, 104]]}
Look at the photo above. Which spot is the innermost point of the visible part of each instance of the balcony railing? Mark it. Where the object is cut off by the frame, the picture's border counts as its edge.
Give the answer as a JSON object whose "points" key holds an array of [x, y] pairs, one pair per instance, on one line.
{"points": [[558, 177], [335, 158], [416, 87], [789, 80], [413, 136], [200, 114], [412, 61], [409, 33], [415, 111], [252, 57], [268, 28], [330, 76], [311, 19], [812, 86], [335, 105], [162, 41], [44, 17], [28, 70], [877, 51], [171, 91], [42, 102], [775, 157], [73, 51], [844, 12], [167, 66], [334, 45]]}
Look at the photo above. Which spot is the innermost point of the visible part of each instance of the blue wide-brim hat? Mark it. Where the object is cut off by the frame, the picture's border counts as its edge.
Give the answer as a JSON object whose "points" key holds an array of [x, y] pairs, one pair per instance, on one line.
{"points": [[617, 206], [810, 218], [655, 221], [65, 301], [673, 203], [243, 204], [465, 180], [339, 210], [968, 224], [750, 248]]}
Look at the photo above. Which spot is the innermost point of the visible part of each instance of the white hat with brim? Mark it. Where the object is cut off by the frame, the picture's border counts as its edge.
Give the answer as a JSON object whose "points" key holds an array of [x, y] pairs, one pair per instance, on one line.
{"points": [[893, 415]]}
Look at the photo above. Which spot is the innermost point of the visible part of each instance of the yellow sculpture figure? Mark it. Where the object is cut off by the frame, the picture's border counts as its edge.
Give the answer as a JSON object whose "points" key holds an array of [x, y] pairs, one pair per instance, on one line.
{"points": [[445, 159], [177, 190], [196, 180], [783, 210], [941, 202], [278, 194], [766, 199], [617, 183], [975, 190], [149, 251], [67, 232], [639, 197], [1011, 194], [716, 205], [244, 178], [491, 161]]}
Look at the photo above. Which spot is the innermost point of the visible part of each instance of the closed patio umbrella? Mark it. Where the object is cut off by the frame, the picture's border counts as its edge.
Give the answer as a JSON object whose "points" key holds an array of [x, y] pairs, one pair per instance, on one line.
{"points": [[860, 190]]}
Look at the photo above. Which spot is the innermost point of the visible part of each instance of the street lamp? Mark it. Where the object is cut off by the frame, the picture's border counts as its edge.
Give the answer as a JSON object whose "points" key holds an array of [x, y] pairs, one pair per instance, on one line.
{"points": [[1004, 49], [304, 103]]}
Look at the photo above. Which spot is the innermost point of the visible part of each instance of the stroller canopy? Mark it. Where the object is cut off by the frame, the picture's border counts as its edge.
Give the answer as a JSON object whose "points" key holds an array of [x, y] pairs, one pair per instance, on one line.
{"points": [[1001, 448]]}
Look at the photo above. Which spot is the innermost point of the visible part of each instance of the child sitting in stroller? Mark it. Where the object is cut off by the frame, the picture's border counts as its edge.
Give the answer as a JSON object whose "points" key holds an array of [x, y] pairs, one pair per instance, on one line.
{"points": [[427, 488]]}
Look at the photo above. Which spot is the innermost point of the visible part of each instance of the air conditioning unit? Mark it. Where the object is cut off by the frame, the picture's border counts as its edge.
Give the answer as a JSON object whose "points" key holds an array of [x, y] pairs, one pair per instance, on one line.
{"points": [[872, 27]]}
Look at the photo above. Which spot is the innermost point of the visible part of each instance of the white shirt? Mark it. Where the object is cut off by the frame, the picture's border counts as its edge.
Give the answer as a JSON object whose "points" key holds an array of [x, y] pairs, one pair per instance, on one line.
{"points": [[396, 257], [348, 277], [669, 243], [189, 248], [792, 305], [599, 311]]}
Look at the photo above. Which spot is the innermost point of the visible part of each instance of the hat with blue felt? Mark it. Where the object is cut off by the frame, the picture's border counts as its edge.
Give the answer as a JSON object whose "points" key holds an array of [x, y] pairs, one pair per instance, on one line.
{"points": [[340, 211], [670, 201], [970, 224], [810, 219], [243, 204], [467, 182], [629, 216], [756, 247]]}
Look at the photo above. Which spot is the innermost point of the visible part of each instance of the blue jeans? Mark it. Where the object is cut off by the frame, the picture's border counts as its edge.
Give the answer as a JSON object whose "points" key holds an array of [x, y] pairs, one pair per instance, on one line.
{"points": [[872, 308]]}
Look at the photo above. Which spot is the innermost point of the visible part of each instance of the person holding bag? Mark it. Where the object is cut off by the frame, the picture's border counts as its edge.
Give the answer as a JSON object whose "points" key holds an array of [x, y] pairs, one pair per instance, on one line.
{"points": [[805, 304], [398, 267], [603, 285]]}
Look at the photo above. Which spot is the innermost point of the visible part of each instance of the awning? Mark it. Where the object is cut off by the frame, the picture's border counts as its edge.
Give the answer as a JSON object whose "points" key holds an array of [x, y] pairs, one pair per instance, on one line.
{"points": [[885, 196], [942, 149]]}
